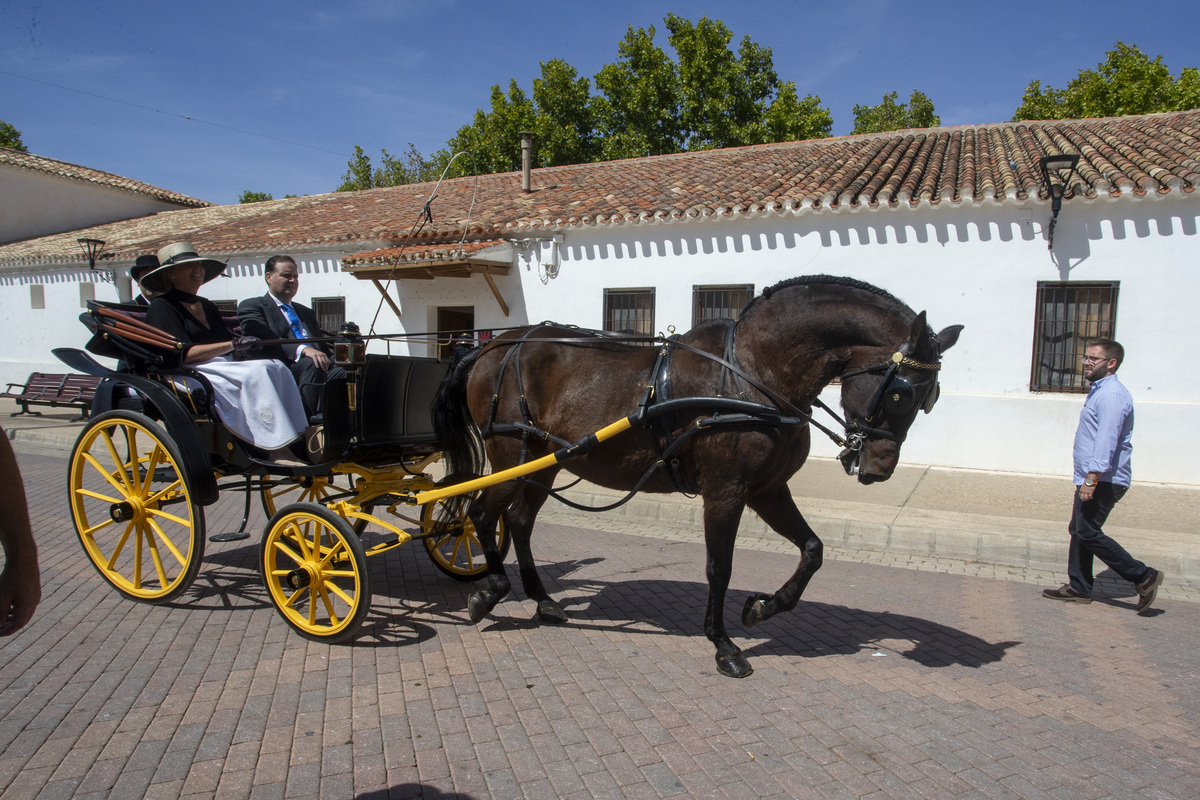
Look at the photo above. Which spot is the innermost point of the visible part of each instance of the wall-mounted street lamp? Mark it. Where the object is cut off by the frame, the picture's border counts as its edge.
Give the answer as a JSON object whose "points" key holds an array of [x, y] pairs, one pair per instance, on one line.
{"points": [[1053, 168], [91, 250]]}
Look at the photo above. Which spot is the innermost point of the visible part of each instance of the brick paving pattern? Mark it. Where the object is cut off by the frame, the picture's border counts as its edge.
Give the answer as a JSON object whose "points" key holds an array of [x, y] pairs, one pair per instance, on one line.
{"points": [[884, 682]]}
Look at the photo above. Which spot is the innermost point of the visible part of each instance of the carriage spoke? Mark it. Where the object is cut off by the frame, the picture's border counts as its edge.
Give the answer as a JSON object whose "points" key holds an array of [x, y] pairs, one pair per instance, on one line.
{"points": [[333, 587], [296, 595], [120, 542], [333, 617], [109, 477], [112, 451], [156, 557], [161, 534]]}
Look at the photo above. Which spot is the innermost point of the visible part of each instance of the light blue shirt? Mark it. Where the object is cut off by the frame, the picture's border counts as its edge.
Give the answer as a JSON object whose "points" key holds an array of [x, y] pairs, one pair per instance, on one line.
{"points": [[1104, 438]]}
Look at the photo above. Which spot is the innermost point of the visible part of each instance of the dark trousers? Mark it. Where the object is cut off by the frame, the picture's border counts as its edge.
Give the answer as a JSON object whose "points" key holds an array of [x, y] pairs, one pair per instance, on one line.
{"points": [[1088, 541], [311, 380]]}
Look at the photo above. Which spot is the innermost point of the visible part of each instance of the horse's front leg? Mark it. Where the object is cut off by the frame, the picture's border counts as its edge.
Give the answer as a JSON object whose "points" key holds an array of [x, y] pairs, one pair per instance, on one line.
{"points": [[721, 517], [485, 512], [778, 510]]}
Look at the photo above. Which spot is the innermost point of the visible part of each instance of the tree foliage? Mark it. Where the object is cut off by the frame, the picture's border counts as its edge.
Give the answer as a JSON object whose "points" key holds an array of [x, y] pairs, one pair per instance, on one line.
{"points": [[1126, 82], [892, 116], [392, 171], [254, 197], [645, 103], [10, 137]]}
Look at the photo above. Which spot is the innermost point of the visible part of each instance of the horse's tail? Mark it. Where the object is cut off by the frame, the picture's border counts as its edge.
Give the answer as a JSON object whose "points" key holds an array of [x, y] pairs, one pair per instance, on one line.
{"points": [[456, 431]]}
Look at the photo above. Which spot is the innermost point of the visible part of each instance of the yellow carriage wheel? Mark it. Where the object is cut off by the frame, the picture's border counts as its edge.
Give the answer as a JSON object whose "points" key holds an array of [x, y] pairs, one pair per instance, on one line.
{"points": [[313, 489], [315, 570], [452, 543], [132, 508]]}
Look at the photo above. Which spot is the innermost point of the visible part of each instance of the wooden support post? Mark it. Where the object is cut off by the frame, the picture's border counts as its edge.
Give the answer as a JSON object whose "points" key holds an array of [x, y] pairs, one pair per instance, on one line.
{"points": [[496, 291], [389, 299]]}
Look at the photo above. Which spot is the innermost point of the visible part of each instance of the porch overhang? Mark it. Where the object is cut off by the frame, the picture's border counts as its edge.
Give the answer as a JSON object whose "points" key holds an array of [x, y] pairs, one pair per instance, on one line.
{"points": [[487, 258]]}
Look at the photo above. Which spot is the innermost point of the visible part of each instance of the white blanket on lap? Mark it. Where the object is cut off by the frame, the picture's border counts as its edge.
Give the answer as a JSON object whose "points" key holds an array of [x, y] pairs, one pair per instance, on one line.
{"points": [[257, 400]]}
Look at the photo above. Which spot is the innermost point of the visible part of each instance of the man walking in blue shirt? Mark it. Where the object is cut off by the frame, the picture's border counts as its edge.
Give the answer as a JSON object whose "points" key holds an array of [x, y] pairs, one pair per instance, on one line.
{"points": [[1103, 444]]}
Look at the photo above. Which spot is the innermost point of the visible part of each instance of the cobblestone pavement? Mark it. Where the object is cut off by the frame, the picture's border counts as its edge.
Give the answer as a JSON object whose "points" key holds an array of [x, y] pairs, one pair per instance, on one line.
{"points": [[941, 681]]}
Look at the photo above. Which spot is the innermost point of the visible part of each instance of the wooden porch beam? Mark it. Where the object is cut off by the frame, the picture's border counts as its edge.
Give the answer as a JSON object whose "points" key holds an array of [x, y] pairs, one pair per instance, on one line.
{"points": [[389, 299]]}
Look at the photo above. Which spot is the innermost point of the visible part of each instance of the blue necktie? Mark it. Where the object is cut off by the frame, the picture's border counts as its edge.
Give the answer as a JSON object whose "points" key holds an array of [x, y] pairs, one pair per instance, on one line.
{"points": [[290, 313]]}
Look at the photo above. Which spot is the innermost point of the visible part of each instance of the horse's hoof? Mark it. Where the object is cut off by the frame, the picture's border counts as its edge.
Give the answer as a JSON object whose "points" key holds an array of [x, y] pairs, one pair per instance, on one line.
{"points": [[755, 610], [734, 666], [550, 612], [478, 606]]}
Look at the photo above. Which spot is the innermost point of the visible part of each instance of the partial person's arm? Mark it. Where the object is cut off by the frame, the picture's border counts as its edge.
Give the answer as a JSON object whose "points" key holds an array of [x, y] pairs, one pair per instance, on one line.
{"points": [[20, 583]]}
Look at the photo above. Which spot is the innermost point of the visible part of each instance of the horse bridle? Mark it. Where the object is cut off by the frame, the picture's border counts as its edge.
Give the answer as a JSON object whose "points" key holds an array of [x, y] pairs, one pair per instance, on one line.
{"points": [[894, 397]]}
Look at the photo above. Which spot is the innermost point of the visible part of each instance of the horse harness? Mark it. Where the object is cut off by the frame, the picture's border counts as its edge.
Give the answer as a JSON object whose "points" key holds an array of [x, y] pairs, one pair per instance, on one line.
{"points": [[659, 410]]}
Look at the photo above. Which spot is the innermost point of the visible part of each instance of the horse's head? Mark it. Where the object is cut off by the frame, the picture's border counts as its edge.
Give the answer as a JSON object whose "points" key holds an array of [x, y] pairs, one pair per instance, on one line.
{"points": [[882, 393]]}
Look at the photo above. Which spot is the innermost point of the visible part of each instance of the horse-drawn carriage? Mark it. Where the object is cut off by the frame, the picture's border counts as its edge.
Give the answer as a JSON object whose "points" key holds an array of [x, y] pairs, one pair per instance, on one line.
{"points": [[152, 457], [725, 411]]}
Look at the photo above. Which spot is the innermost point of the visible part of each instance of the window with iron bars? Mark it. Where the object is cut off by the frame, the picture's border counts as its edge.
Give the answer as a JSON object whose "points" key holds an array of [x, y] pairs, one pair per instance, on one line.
{"points": [[1067, 315], [629, 311], [719, 302], [330, 311]]}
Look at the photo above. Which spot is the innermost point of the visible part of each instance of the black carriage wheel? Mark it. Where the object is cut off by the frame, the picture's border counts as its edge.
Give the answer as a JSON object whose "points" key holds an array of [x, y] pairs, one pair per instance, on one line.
{"points": [[133, 510]]}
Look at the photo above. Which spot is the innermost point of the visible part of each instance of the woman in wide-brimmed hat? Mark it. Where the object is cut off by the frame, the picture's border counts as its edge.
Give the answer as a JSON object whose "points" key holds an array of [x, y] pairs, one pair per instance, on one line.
{"points": [[257, 400]]}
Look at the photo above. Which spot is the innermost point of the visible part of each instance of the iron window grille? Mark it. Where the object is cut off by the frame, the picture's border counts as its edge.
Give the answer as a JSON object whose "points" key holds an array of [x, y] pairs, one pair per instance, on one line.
{"points": [[1067, 315], [719, 302], [629, 311], [331, 312]]}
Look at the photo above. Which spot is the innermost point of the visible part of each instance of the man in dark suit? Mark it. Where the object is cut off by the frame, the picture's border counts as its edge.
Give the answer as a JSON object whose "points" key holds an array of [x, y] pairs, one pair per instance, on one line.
{"points": [[275, 316]]}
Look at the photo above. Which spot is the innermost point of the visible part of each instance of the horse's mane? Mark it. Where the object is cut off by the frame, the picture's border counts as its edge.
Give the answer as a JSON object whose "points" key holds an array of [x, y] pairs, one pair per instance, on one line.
{"points": [[825, 280]]}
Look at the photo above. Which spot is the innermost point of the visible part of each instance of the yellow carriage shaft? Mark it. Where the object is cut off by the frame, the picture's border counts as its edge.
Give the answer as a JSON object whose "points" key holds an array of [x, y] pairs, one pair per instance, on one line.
{"points": [[578, 449]]}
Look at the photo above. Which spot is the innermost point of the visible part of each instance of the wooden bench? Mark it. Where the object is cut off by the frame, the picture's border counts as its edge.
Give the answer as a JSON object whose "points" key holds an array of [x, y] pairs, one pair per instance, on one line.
{"points": [[54, 389]]}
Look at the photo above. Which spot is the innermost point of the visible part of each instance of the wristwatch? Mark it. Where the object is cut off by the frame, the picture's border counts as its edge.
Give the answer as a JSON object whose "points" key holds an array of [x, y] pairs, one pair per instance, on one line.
{"points": [[1089, 481]]}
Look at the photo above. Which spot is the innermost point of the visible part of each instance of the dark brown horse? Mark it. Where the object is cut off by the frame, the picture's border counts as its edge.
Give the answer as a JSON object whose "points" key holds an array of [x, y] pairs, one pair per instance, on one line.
{"points": [[533, 390]]}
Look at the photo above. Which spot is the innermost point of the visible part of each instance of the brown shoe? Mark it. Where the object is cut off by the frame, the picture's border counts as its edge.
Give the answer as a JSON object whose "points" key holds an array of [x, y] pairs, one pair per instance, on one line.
{"points": [[1065, 592], [1147, 590]]}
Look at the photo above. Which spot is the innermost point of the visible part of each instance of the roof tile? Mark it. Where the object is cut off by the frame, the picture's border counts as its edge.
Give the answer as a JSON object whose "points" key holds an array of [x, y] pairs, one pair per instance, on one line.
{"points": [[996, 163]]}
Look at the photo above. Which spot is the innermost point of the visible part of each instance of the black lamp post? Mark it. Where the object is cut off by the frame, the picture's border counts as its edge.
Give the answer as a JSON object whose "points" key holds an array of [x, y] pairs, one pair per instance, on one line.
{"points": [[1052, 168], [91, 249]]}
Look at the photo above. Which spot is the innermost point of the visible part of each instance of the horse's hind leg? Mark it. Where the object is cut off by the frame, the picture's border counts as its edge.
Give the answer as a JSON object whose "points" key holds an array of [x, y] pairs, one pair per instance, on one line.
{"points": [[520, 518], [779, 511], [484, 512]]}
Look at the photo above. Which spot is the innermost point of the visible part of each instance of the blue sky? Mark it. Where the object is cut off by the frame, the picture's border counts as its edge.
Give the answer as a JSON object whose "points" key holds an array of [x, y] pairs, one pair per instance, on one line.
{"points": [[278, 93]]}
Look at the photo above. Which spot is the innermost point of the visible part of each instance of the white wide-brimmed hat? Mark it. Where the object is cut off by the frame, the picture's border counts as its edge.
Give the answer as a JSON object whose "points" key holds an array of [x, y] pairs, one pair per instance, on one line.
{"points": [[172, 256]]}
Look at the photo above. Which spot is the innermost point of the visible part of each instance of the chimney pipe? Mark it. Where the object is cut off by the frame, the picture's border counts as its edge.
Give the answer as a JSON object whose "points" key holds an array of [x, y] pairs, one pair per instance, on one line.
{"points": [[526, 160]]}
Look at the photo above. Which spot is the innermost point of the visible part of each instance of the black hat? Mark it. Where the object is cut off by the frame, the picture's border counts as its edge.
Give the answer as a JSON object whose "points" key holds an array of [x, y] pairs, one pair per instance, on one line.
{"points": [[142, 265]]}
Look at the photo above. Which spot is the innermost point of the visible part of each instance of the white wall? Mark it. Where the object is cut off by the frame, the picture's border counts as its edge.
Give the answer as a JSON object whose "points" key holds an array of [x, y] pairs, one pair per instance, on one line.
{"points": [[973, 266], [39, 204]]}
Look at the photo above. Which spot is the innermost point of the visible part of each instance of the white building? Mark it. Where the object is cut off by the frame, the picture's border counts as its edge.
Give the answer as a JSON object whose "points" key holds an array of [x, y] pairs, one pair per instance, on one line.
{"points": [[950, 220], [40, 196]]}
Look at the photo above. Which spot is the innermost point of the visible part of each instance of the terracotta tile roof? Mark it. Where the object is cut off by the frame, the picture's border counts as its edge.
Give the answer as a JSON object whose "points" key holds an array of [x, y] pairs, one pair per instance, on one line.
{"points": [[1121, 158], [424, 253], [75, 172]]}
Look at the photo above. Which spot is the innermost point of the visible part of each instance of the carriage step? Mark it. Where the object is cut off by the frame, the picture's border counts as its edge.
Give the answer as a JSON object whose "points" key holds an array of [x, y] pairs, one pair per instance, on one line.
{"points": [[236, 536]]}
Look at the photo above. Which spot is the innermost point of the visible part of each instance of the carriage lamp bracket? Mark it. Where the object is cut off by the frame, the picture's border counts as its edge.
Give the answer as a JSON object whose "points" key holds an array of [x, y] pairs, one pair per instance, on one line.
{"points": [[1052, 168]]}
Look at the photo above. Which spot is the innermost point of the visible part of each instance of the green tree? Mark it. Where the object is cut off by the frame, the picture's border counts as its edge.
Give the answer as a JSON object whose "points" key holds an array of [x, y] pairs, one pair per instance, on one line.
{"points": [[10, 137], [639, 112], [1126, 82], [892, 116], [646, 103], [494, 138], [254, 197], [564, 116], [392, 171]]}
